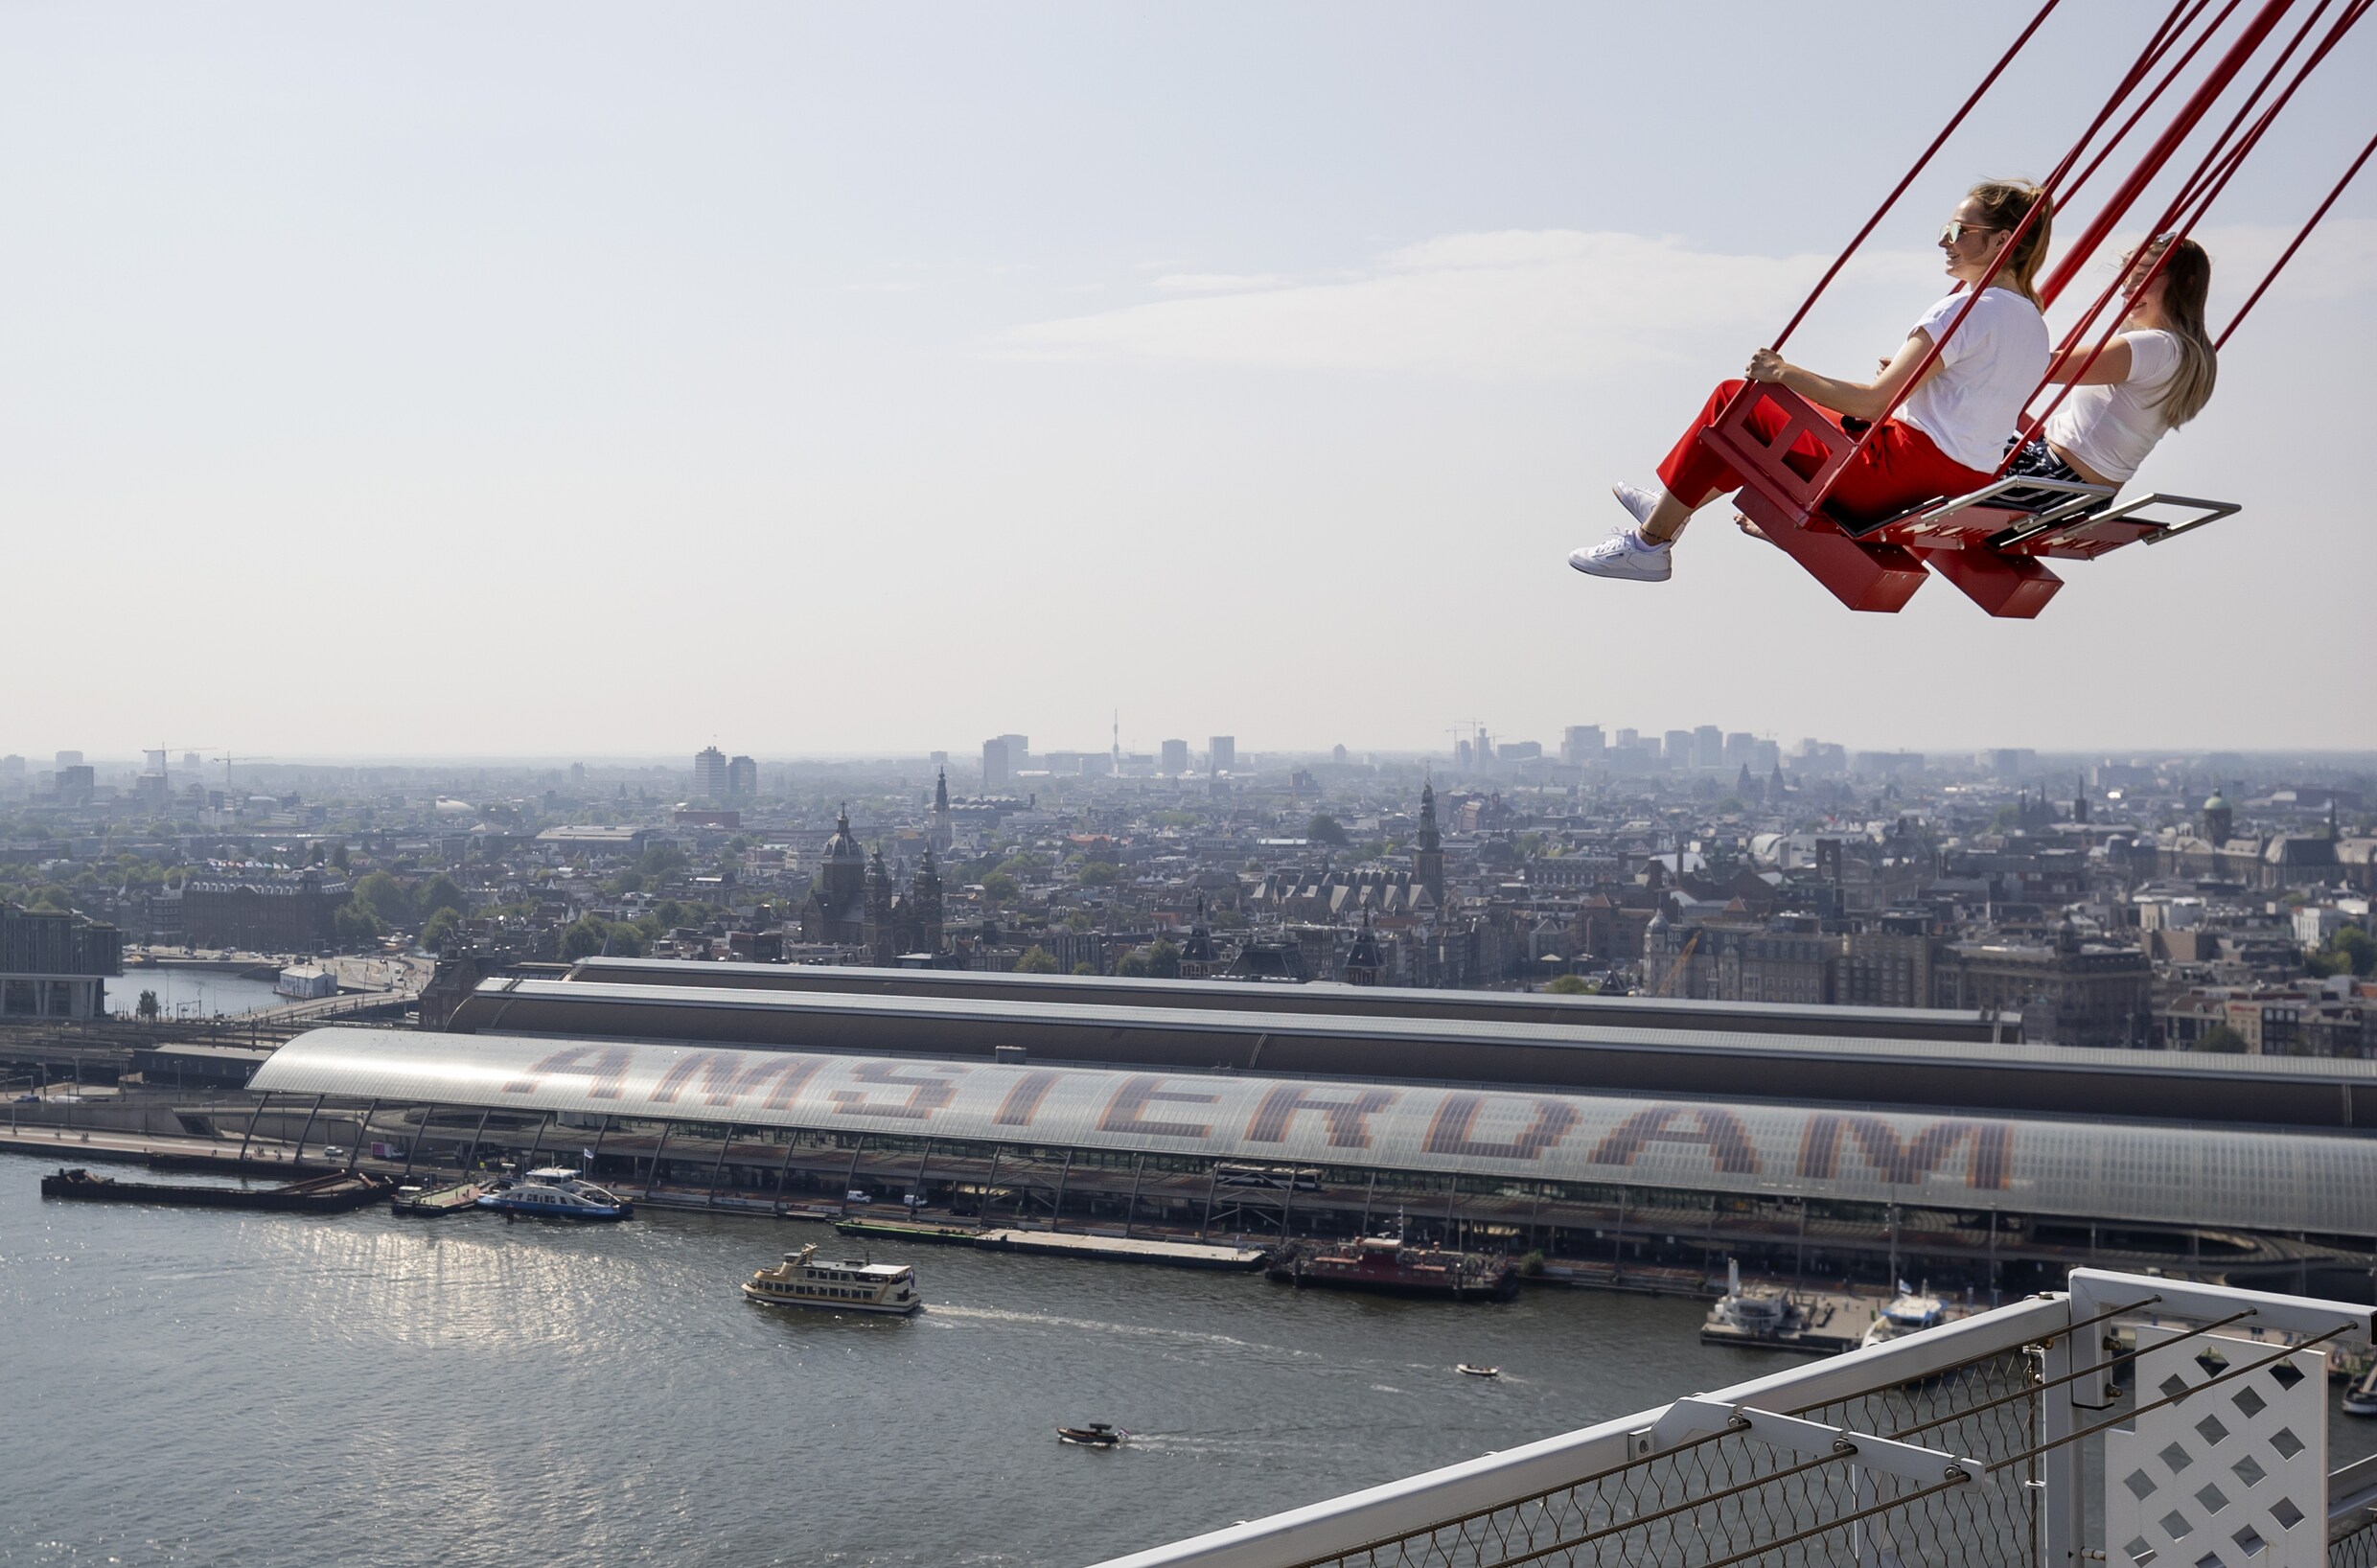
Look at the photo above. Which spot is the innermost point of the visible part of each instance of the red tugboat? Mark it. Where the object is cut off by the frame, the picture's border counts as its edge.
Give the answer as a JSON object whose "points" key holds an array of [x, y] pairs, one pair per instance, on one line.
{"points": [[1387, 1265]]}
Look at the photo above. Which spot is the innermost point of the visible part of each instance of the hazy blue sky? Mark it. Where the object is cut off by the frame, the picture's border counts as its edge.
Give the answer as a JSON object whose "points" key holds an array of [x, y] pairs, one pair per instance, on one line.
{"points": [[585, 378]]}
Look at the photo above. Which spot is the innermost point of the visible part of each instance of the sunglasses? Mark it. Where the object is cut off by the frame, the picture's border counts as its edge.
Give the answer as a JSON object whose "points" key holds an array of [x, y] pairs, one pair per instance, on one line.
{"points": [[1953, 232]]}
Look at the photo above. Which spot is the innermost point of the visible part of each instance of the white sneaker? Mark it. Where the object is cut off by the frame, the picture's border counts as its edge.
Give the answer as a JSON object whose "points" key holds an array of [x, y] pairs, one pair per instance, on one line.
{"points": [[1625, 554], [1637, 501]]}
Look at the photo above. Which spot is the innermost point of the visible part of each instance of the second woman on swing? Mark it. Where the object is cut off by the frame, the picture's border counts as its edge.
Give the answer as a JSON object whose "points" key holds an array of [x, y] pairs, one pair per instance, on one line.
{"points": [[1951, 426]]}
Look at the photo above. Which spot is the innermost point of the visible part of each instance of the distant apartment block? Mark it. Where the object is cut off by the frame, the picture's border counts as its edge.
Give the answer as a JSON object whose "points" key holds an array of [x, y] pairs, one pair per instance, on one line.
{"points": [[710, 774], [263, 911], [1175, 758], [1221, 753], [741, 779], [53, 965]]}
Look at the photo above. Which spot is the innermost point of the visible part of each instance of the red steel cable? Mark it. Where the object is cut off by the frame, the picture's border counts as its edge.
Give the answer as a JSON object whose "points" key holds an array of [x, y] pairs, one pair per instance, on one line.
{"points": [[2199, 102], [2177, 67], [2213, 172], [1957, 119], [2287, 255]]}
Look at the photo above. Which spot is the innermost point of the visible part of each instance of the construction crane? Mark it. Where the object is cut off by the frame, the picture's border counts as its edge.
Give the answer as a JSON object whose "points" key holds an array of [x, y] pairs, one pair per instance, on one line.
{"points": [[229, 761], [1677, 967]]}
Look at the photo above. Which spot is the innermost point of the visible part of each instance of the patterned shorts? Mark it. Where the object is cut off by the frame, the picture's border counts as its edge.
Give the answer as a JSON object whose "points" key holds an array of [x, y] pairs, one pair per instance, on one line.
{"points": [[2037, 460]]}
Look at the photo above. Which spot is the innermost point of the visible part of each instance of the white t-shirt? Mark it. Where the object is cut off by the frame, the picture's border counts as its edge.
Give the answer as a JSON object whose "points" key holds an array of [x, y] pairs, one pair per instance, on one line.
{"points": [[1972, 401], [2112, 428]]}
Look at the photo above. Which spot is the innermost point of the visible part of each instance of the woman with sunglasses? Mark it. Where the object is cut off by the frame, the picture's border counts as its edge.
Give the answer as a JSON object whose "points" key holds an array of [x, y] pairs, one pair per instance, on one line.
{"points": [[1948, 431], [2156, 375]]}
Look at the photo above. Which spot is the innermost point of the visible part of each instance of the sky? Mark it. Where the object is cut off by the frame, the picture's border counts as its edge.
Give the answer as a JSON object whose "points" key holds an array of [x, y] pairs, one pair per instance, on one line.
{"points": [[555, 379]]}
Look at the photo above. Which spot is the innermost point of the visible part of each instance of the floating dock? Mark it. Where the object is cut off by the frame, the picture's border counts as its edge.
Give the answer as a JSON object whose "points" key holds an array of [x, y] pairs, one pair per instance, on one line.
{"points": [[918, 1230], [1115, 1248], [317, 1195], [1829, 1322], [435, 1202]]}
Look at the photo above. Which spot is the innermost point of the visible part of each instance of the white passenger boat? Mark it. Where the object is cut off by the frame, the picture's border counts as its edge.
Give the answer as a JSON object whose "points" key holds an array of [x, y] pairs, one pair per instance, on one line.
{"points": [[1908, 1312], [556, 1192], [2361, 1398], [804, 1279], [1753, 1312]]}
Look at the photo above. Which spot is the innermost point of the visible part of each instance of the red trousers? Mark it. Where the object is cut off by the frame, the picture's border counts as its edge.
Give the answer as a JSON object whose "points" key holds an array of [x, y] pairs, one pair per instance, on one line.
{"points": [[1898, 467]]}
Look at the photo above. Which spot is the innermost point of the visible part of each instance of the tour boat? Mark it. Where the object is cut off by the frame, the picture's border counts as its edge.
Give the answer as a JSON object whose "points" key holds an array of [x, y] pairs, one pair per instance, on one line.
{"points": [[1751, 1312], [1390, 1267], [1096, 1434], [801, 1279], [1468, 1370], [1908, 1312], [555, 1192], [2361, 1398]]}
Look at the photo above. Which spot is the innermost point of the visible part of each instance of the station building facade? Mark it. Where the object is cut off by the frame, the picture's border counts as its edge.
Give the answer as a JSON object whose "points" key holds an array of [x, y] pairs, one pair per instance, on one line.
{"points": [[1595, 1188]]}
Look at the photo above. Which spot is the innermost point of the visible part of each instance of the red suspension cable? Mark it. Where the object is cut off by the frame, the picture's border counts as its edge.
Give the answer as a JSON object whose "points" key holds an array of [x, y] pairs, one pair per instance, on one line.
{"points": [[2177, 68], [2211, 175], [2287, 255], [2198, 105], [1900, 189]]}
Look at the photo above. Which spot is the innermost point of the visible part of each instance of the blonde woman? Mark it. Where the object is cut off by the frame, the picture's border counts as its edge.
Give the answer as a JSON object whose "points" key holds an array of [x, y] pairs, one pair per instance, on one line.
{"points": [[1948, 433], [2156, 375]]}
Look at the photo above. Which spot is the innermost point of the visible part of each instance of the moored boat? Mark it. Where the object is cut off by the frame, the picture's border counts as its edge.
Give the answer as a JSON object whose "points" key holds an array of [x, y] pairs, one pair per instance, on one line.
{"points": [[333, 1194], [1390, 1266], [902, 1229], [1752, 1314], [555, 1192], [422, 1201], [805, 1280], [1908, 1312], [2361, 1398]]}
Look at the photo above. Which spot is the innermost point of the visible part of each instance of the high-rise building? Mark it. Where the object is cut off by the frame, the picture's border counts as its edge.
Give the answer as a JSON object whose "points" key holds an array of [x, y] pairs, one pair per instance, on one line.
{"points": [[1175, 758], [741, 779], [1581, 745], [1741, 749], [997, 765], [1222, 753], [69, 759], [710, 774], [1708, 747], [1678, 748]]}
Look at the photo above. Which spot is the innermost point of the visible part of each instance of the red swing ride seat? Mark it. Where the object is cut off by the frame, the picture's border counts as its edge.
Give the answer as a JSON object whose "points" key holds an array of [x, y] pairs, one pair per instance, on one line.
{"points": [[1993, 544]]}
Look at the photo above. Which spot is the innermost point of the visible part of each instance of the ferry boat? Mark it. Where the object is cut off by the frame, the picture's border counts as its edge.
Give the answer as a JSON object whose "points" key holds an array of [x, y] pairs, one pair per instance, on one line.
{"points": [[1752, 1314], [2361, 1398], [1389, 1266], [1908, 1312], [555, 1192], [802, 1279]]}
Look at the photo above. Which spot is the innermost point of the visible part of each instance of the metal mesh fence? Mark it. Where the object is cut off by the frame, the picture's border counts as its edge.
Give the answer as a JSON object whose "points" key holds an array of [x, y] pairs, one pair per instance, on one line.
{"points": [[1728, 1499], [2356, 1550]]}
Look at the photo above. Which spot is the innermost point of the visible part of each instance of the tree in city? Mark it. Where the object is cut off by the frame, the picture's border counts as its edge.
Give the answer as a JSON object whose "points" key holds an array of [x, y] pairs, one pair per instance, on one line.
{"points": [[2223, 1040], [1085, 968], [439, 929], [2351, 951], [385, 898], [1036, 960], [1097, 874], [356, 926], [662, 862], [148, 1008], [338, 855], [1572, 986], [591, 935], [999, 887], [440, 892], [1133, 965], [1163, 959], [1326, 829]]}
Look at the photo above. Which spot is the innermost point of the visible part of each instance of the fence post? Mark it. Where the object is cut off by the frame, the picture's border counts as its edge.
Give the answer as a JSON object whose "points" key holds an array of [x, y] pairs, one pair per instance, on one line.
{"points": [[2058, 1473]]}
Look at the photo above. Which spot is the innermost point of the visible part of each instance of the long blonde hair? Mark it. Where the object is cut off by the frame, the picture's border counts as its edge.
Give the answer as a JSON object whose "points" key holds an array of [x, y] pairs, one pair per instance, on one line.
{"points": [[2007, 202], [2187, 281]]}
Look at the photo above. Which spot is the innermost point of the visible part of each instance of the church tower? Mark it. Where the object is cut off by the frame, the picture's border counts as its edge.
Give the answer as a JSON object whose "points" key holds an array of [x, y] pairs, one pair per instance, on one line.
{"points": [[943, 834], [882, 934], [2219, 824], [924, 906], [1429, 863]]}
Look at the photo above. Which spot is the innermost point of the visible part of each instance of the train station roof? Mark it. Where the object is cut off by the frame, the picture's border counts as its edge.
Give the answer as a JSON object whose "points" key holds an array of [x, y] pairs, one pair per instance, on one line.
{"points": [[2081, 1169], [1730, 1063]]}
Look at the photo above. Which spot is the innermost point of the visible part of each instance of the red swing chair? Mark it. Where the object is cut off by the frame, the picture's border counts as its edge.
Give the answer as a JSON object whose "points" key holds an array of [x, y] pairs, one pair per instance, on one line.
{"points": [[1994, 543]]}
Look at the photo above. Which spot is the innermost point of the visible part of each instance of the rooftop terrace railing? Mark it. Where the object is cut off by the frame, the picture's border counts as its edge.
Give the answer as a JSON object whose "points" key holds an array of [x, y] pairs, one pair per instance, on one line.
{"points": [[1955, 1448]]}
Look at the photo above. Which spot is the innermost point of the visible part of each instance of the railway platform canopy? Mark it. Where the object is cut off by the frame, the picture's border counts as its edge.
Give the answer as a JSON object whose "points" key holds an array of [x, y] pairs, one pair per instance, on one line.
{"points": [[1558, 1050], [1556, 1171]]}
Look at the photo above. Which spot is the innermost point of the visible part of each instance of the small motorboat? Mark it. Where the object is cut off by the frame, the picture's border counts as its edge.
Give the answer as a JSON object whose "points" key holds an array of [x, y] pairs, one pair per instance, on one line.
{"points": [[1096, 1434], [2361, 1398], [1465, 1369]]}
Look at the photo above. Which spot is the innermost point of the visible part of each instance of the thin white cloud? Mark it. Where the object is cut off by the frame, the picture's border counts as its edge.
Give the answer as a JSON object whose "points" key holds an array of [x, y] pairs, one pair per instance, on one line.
{"points": [[1563, 304]]}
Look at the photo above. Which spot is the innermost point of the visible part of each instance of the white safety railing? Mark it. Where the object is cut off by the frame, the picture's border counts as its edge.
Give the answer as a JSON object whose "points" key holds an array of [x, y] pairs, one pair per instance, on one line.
{"points": [[1957, 1447]]}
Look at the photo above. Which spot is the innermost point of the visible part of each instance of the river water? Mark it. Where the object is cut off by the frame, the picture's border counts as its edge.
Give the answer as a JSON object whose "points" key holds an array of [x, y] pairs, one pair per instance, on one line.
{"points": [[191, 993], [199, 1387]]}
